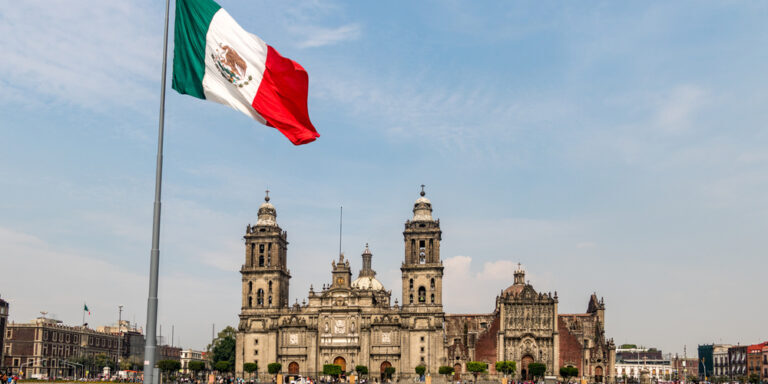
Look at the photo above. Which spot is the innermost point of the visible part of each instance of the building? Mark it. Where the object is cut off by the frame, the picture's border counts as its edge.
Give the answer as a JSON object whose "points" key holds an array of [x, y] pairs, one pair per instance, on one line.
{"points": [[685, 367], [720, 361], [754, 359], [737, 362], [132, 345], [4, 306], [189, 355], [706, 357], [352, 322], [764, 375], [168, 352], [42, 348], [631, 361]]}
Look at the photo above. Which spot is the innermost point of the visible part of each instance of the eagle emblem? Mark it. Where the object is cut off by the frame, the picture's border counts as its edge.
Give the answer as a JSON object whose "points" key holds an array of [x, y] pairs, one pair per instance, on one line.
{"points": [[231, 65]]}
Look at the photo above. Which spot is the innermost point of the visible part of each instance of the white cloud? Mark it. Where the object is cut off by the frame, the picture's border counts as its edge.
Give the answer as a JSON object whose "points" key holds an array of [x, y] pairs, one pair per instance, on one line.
{"points": [[37, 278], [321, 36], [87, 53], [678, 109]]}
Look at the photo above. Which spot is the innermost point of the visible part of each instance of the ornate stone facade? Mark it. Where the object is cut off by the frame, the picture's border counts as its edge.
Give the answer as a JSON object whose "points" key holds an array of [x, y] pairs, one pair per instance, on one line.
{"points": [[353, 322]]}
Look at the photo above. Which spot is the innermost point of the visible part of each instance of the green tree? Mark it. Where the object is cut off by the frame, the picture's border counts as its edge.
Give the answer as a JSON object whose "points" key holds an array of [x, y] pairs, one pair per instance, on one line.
{"points": [[537, 369], [446, 370], [476, 367], [103, 360], [506, 367], [420, 369], [168, 367], [332, 370], [250, 367], [388, 372], [361, 370], [568, 372], [223, 348], [196, 367], [222, 366], [274, 368], [754, 378]]}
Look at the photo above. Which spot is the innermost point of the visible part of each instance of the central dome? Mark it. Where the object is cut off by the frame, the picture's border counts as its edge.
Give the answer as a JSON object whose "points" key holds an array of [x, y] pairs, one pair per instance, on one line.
{"points": [[367, 282]]}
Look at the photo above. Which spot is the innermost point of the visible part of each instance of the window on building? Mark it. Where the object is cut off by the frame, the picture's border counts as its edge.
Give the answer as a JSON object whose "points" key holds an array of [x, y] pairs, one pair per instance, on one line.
{"points": [[432, 283], [410, 283], [421, 339], [270, 286], [261, 248], [270, 300], [250, 286], [432, 298], [422, 244], [422, 294], [256, 342], [261, 260], [250, 301], [260, 297], [410, 299], [256, 352], [422, 349]]}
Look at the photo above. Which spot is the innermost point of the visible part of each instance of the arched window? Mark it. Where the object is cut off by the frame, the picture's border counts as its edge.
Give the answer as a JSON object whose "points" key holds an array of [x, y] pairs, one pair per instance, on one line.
{"points": [[411, 299], [261, 260], [270, 286], [410, 284], [432, 283], [432, 298], [260, 297], [269, 260], [270, 299], [250, 301], [422, 295], [250, 287]]}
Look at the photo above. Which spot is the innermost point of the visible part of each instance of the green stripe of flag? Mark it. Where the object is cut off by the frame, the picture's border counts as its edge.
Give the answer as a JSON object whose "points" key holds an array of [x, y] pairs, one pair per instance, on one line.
{"points": [[190, 29]]}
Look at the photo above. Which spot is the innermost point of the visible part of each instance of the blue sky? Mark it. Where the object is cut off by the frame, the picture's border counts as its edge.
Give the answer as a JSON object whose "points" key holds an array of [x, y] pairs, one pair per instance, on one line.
{"points": [[609, 147]]}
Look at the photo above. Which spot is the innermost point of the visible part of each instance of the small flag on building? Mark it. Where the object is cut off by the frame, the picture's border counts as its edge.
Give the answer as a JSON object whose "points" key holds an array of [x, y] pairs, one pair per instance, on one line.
{"points": [[216, 59]]}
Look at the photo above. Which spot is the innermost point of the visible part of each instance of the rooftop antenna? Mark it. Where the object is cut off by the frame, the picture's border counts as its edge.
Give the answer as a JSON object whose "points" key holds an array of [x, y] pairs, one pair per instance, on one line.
{"points": [[341, 215]]}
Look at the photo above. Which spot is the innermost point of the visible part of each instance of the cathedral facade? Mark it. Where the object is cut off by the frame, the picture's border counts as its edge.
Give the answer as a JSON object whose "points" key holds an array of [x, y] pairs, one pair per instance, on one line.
{"points": [[353, 321]]}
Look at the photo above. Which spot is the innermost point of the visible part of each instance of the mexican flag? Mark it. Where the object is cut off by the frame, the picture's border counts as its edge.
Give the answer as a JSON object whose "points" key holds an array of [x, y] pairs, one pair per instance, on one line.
{"points": [[215, 59], [85, 309]]}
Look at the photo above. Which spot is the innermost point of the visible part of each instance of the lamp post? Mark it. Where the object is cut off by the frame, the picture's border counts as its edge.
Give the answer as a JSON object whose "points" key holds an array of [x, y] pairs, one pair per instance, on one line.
{"points": [[119, 334]]}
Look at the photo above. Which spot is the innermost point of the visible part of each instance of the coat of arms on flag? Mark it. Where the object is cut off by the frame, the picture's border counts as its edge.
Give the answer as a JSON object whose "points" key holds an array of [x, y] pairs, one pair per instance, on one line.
{"points": [[231, 65]]}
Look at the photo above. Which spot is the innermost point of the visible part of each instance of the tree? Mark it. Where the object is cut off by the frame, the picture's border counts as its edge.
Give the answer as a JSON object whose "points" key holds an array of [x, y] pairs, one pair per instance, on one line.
{"points": [[102, 360], [222, 366], [537, 369], [420, 369], [274, 368], [506, 367], [332, 370], [754, 378], [167, 367], [446, 370], [388, 372], [476, 367], [250, 367], [196, 367], [223, 348], [568, 372], [361, 370]]}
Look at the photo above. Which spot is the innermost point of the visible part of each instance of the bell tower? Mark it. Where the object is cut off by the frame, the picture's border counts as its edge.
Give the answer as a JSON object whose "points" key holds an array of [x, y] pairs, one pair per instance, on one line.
{"points": [[265, 274], [422, 269]]}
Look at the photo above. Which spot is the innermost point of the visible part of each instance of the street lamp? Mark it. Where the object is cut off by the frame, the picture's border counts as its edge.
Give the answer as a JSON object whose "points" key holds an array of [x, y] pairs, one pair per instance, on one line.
{"points": [[119, 334]]}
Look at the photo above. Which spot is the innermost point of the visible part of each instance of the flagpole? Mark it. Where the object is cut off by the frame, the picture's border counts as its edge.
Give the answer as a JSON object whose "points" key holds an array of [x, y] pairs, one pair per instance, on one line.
{"points": [[150, 345], [83, 323]]}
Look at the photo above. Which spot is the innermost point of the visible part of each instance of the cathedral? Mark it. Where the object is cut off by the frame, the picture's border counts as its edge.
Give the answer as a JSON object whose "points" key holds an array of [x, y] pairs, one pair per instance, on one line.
{"points": [[354, 321]]}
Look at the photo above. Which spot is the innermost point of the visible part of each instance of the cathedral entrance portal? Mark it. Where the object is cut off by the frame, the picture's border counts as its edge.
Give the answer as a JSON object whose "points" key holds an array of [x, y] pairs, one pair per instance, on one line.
{"points": [[293, 368], [341, 362], [524, 373], [457, 372], [599, 374], [384, 367]]}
